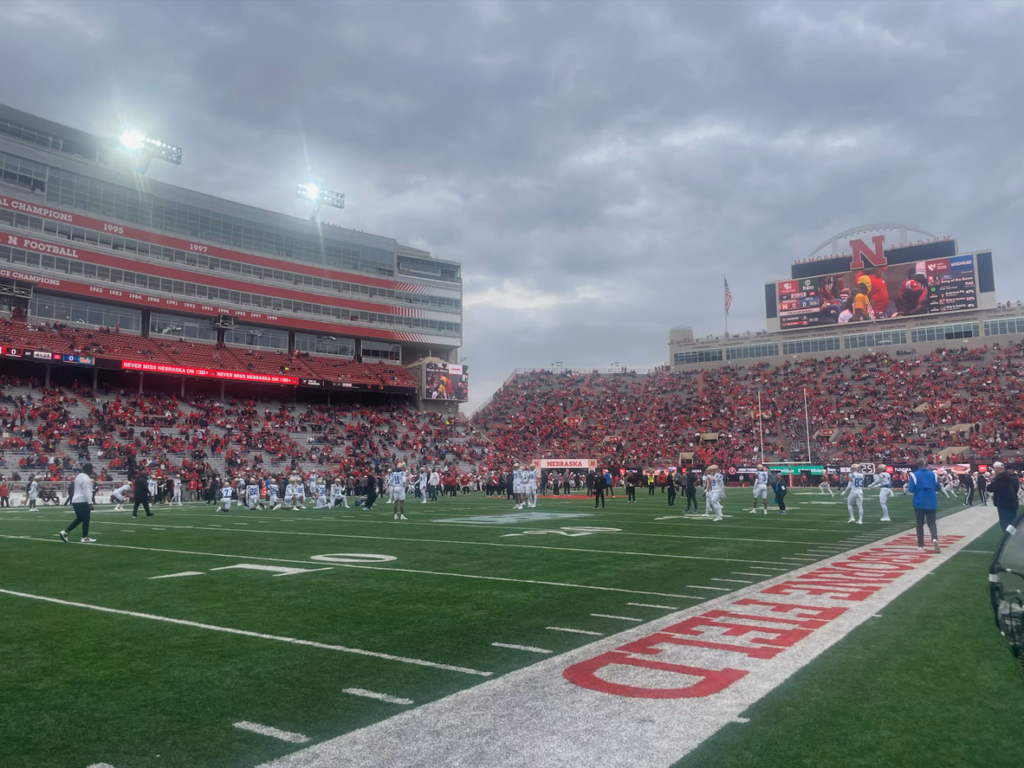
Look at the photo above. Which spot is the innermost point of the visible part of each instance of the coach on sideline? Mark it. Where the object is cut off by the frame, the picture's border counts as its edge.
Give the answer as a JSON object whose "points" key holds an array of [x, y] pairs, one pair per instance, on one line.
{"points": [[926, 502], [81, 502], [1004, 487]]}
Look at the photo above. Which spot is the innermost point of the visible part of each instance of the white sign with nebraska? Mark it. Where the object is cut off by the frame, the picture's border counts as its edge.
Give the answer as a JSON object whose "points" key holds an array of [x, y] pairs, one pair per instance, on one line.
{"points": [[650, 695], [566, 463]]}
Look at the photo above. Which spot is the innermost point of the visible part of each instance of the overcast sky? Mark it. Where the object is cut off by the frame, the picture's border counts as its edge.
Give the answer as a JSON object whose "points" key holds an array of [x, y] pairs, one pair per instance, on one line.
{"points": [[596, 167]]}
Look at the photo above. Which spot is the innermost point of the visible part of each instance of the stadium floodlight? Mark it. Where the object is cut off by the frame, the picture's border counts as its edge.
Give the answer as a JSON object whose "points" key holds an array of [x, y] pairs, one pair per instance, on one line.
{"points": [[139, 143], [314, 192]]}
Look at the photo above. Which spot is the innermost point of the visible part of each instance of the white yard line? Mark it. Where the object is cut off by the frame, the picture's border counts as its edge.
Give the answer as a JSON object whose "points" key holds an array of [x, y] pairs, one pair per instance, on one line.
{"points": [[176, 575], [734, 581], [742, 573], [274, 733], [610, 616], [515, 647], [378, 696], [370, 568], [576, 631], [717, 589], [247, 633], [652, 605]]}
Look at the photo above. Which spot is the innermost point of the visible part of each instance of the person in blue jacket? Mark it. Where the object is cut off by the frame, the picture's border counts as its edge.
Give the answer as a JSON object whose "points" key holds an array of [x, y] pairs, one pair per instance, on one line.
{"points": [[923, 484]]}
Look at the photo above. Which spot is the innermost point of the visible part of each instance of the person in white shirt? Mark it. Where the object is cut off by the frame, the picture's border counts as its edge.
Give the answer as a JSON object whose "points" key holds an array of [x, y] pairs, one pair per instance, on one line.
{"points": [[856, 498], [396, 483], [119, 496], [337, 493], [81, 502], [716, 484], [432, 483], [760, 488], [321, 496], [272, 490], [225, 497], [883, 481], [705, 484], [33, 492], [291, 493], [176, 494]]}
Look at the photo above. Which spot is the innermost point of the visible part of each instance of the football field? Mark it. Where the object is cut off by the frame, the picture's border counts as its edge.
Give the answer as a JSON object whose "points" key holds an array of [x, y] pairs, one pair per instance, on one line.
{"points": [[199, 638]]}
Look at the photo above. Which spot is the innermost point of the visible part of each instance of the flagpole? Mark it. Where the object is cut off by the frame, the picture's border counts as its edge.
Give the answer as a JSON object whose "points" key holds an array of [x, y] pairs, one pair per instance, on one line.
{"points": [[760, 423], [807, 427]]}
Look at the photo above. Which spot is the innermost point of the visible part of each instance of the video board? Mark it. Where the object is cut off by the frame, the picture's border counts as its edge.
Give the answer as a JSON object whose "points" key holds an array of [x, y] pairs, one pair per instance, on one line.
{"points": [[878, 293], [446, 381]]}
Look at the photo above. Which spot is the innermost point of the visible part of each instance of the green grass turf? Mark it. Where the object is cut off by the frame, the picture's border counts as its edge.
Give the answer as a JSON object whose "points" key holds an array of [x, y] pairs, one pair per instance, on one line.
{"points": [[930, 683], [81, 686]]}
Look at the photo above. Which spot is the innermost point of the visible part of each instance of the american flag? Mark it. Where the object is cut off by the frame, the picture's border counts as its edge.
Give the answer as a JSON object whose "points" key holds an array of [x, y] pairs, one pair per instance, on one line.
{"points": [[728, 295]]}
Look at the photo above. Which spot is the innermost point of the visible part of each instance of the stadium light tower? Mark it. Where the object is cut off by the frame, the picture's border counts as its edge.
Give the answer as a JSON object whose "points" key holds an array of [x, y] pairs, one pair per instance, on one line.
{"points": [[313, 190], [142, 149]]}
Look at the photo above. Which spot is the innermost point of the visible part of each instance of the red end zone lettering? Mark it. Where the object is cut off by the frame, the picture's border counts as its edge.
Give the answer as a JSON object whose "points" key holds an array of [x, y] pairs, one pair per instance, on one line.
{"points": [[709, 681]]}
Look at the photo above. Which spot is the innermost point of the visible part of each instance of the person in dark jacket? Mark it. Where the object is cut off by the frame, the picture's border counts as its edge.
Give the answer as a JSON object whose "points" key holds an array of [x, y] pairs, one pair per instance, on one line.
{"points": [[779, 488], [371, 492], [599, 486], [968, 482], [923, 485], [691, 490], [670, 485], [141, 493], [1004, 487]]}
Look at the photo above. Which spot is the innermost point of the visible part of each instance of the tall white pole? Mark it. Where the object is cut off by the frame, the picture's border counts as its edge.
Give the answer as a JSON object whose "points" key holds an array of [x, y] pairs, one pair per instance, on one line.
{"points": [[807, 427], [760, 423]]}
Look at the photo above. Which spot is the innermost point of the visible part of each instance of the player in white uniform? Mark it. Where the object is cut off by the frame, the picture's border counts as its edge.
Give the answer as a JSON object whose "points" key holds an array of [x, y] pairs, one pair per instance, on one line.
{"points": [[825, 485], [272, 491], [856, 498], [705, 484], [119, 496], [291, 493], [883, 481], [396, 483], [531, 480], [321, 496], [252, 494], [152, 489], [716, 489], [517, 487], [225, 497], [336, 493], [176, 494], [32, 494], [422, 483], [760, 488]]}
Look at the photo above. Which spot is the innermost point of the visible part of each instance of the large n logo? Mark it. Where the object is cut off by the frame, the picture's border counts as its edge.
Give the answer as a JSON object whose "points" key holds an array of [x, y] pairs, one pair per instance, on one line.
{"points": [[875, 257]]}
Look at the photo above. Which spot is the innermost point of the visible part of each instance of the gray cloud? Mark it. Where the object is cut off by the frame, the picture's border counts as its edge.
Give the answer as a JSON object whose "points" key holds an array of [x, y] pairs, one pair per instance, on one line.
{"points": [[595, 167]]}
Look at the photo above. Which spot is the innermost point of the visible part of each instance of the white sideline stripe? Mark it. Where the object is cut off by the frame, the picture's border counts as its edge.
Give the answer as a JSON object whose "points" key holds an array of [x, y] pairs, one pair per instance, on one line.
{"points": [[741, 573], [547, 722], [610, 616], [652, 605], [766, 568], [576, 631], [175, 575], [266, 730], [248, 633], [717, 589], [735, 581], [378, 696], [368, 567], [515, 647]]}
